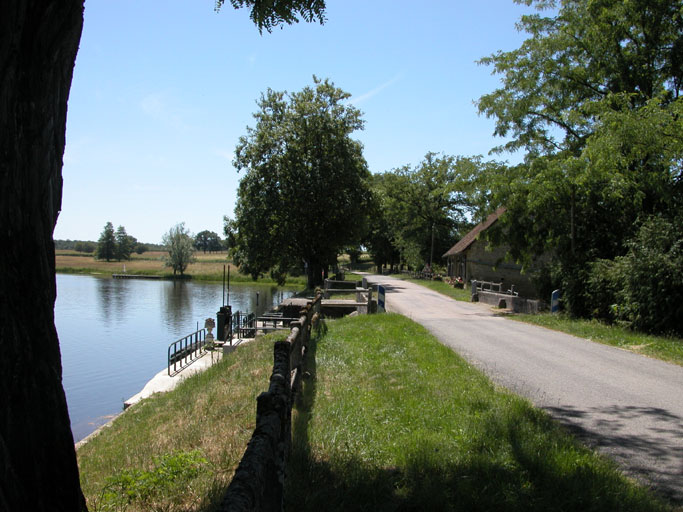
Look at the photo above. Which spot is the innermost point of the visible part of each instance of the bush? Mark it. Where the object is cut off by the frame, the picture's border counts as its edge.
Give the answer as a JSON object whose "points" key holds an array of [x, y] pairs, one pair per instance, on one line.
{"points": [[605, 284], [653, 294], [644, 288], [85, 247]]}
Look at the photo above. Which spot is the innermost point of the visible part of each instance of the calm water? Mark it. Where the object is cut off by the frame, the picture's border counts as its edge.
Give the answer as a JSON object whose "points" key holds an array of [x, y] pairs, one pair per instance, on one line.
{"points": [[114, 335]]}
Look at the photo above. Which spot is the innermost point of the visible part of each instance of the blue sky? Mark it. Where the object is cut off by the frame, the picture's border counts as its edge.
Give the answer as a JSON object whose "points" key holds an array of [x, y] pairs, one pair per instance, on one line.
{"points": [[162, 91]]}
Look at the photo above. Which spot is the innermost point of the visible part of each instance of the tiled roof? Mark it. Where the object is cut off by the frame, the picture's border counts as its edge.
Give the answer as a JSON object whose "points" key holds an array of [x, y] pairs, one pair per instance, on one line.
{"points": [[470, 237]]}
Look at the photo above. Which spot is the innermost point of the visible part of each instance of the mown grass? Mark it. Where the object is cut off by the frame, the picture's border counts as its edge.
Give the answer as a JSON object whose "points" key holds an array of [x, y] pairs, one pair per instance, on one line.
{"points": [[661, 347], [393, 420], [208, 267], [213, 412], [439, 286], [389, 419]]}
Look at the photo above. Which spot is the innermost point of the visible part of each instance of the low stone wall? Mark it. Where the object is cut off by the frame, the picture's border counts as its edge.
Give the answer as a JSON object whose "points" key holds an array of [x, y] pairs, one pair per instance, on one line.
{"points": [[515, 303]]}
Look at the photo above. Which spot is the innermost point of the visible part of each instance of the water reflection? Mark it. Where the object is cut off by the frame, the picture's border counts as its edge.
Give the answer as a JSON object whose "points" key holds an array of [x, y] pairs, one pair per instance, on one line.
{"points": [[114, 334], [176, 304]]}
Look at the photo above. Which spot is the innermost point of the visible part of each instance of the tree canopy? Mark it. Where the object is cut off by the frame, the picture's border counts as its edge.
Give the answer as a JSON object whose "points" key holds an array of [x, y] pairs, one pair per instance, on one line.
{"points": [[106, 245], [267, 14], [593, 97], [426, 207], [180, 247], [305, 191], [207, 241]]}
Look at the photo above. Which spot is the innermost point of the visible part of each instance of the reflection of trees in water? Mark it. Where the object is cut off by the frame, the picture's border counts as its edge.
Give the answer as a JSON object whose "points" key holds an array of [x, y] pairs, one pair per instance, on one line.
{"points": [[243, 298], [177, 306], [113, 297]]}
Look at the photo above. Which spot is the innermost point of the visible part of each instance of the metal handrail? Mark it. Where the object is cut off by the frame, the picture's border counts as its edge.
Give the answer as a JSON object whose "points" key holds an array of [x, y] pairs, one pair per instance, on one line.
{"points": [[244, 324], [190, 347]]}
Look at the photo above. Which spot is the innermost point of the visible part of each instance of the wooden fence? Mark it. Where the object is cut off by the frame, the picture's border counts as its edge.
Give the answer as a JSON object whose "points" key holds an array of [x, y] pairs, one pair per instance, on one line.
{"points": [[258, 483]]}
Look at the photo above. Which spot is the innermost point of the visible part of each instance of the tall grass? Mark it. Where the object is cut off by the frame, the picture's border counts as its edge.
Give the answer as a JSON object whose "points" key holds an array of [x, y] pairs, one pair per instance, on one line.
{"points": [[393, 420], [213, 412]]}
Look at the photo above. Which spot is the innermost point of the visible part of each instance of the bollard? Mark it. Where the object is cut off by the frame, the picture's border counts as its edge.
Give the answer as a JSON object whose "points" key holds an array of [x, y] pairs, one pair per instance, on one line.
{"points": [[475, 294]]}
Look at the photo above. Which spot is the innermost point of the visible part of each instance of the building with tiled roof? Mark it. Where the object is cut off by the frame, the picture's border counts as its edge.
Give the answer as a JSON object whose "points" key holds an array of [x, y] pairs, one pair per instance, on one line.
{"points": [[473, 257]]}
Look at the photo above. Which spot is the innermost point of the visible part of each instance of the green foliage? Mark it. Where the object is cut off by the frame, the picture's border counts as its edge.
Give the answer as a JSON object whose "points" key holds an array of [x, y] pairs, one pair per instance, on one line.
{"points": [[423, 210], [593, 96], [171, 475], [106, 245], [208, 241], [305, 192], [644, 288], [180, 247], [124, 244], [85, 246], [140, 248], [270, 14]]}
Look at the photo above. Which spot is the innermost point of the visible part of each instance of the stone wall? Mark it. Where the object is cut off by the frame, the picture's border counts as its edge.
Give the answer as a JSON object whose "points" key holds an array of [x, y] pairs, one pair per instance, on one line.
{"points": [[490, 265], [516, 304]]}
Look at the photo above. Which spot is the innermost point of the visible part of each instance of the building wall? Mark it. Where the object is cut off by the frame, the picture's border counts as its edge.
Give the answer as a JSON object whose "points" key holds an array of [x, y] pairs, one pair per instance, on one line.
{"points": [[490, 265]]}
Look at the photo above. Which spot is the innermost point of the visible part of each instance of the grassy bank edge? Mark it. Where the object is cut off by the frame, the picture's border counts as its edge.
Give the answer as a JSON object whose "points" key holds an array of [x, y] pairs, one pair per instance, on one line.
{"points": [[203, 277], [213, 414], [665, 348]]}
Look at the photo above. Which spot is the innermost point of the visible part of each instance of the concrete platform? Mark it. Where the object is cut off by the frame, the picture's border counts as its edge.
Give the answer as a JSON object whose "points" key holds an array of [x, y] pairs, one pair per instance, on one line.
{"points": [[162, 382]]}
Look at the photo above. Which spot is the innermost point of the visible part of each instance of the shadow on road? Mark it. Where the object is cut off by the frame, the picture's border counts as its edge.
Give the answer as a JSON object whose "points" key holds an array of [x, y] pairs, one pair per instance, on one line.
{"points": [[425, 481], [615, 438]]}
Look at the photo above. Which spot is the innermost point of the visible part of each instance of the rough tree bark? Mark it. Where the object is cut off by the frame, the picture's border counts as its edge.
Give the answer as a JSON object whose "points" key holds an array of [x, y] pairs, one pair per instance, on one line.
{"points": [[38, 44]]}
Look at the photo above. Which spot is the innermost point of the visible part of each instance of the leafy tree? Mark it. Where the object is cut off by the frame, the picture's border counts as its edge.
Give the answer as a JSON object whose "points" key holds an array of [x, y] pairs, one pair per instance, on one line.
{"points": [[106, 245], [586, 95], [81, 246], [39, 42], [180, 247], [270, 14], [427, 206], [305, 191], [207, 241], [140, 248], [124, 244]]}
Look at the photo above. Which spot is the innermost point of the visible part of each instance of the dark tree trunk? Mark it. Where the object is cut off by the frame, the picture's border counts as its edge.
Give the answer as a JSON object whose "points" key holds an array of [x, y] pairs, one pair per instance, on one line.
{"points": [[315, 275], [38, 44]]}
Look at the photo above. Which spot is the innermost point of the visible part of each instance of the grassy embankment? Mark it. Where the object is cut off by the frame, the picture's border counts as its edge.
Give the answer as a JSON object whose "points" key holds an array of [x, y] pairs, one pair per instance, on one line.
{"points": [[208, 267], [389, 420], [666, 348]]}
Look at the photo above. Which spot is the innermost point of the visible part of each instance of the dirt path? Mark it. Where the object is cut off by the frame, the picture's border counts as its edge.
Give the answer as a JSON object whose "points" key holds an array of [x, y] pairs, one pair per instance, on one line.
{"points": [[625, 405]]}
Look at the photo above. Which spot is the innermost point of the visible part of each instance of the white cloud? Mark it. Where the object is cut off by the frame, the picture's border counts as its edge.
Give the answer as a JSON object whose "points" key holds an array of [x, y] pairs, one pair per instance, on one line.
{"points": [[357, 100]]}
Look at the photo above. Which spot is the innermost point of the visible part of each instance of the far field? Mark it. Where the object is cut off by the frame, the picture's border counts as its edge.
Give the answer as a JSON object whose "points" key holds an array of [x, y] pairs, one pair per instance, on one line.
{"points": [[208, 267]]}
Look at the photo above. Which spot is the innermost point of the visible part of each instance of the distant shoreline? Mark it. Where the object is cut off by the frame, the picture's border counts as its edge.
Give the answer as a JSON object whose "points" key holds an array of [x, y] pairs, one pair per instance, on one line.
{"points": [[207, 268]]}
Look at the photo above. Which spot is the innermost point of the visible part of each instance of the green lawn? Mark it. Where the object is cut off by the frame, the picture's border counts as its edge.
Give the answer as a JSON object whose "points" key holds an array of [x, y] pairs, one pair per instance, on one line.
{"points": [[393, 420], [389, 419], [661, 347]]}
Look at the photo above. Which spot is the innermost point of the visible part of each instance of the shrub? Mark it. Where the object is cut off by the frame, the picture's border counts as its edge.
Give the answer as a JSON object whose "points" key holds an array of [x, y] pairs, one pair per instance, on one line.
{"points": [[644, 288], [652, 297], [85, 247]]}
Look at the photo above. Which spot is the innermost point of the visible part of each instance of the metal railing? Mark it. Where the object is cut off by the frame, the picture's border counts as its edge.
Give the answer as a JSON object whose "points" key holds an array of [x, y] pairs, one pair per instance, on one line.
{"points": [[243, 325], [185, 351]]}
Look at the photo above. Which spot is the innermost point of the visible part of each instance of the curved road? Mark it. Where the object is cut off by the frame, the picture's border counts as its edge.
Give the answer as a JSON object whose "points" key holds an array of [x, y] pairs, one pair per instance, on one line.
{"points": [[623, 404]]}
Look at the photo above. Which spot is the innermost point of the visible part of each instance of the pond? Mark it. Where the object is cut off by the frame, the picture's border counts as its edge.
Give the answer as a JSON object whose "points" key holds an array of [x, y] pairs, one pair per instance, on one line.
{"points": [[114, 334]]}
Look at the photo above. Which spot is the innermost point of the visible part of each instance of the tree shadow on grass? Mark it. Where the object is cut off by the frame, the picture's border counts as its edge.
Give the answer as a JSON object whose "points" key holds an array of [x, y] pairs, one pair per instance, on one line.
{"points": [[476, 481]]}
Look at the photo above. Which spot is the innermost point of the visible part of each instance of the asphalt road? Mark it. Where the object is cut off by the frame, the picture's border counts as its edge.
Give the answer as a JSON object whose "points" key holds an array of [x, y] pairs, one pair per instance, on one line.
{"points": [[625, 405]]}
